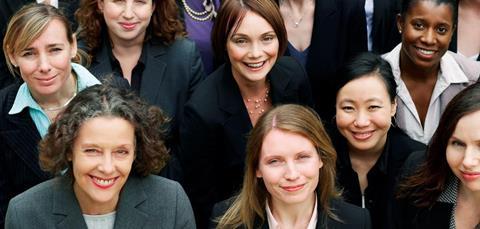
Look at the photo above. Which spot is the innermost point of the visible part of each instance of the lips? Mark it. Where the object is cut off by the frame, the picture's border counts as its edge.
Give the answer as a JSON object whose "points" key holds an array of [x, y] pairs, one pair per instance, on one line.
{"points": [[425, 53], [293, 188], [255, 66], [103, 183], [364, 135], [128, 26], [470, 176], [46, 80]]}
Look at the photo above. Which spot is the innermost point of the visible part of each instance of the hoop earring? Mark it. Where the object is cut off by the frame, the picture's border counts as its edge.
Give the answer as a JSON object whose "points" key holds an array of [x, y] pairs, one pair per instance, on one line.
{"points": [[393, 122]]}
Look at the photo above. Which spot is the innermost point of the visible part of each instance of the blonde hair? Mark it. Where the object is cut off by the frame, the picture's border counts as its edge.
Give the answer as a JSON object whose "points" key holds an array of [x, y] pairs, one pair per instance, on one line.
{"points": [[26, 25], [250, 203]]}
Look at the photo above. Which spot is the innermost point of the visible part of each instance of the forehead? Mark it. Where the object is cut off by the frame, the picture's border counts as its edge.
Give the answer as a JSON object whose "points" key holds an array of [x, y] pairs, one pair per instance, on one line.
{"points": [[53, 33], [365, 87], [469, 126], [252, 24], [106, 130], [432, 10], [284, 143]]}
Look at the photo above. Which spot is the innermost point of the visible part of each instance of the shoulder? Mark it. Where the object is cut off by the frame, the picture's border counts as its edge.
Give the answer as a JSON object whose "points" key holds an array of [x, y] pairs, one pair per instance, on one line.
{"points": [[470, 67], [179, 47], [7, 97], [171, 191], [349, 215], [287, 64], [40, 194], [206, 92], [401, 144]]}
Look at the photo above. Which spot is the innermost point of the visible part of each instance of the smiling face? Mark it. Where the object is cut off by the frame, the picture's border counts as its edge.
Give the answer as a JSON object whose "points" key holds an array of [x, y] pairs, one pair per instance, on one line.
{"points": [[427, 29], [289, 165], [252, 49], [103, 154], [463, 151], [363, 113], [127, 20], [45, 64]]}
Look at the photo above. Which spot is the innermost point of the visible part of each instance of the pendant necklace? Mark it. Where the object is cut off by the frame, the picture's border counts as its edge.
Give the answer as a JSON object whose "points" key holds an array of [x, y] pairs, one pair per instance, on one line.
{"points": [[205, 15]]}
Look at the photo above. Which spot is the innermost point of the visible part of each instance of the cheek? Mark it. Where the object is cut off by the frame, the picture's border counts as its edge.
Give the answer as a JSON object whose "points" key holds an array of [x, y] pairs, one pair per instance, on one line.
{"points": [[453, 158], [343, 120], [382, 120], [235, 53]]}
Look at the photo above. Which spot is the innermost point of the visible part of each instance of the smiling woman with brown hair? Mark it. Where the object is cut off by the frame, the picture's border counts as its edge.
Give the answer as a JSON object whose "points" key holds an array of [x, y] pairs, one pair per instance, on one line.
{"points": [[428, 76]]}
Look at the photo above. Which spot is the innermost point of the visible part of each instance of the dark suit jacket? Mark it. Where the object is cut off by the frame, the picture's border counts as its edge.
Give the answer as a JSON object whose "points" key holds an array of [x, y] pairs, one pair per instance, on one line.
{"points": [[149, 202], [338, 34], [215, 127], [170, 76], [7, 10], [384, 29], [19, 168], [351, 216]]}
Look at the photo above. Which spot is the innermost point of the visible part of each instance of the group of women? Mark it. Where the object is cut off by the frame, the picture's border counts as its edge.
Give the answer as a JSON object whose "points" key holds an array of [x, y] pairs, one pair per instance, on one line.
{"points": [[87, 113]]}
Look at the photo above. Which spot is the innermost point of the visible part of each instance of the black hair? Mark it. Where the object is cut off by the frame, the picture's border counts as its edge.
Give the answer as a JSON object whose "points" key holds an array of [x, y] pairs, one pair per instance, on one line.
{"points": [[453, 4], [366, 64]]}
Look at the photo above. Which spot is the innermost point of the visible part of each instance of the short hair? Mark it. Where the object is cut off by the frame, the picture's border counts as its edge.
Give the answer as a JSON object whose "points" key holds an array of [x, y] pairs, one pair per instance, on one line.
{"points": [[105, 101], [453, 4], [296, 119], [165, 23], [432, 175], [230, 16], [26, 25], [369, 64]]}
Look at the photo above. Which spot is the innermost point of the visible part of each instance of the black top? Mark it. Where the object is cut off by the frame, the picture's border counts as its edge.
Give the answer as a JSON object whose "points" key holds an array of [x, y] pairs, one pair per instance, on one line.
{"points": [[350, 216], [379, 194], [213, 134], [19, 137]]}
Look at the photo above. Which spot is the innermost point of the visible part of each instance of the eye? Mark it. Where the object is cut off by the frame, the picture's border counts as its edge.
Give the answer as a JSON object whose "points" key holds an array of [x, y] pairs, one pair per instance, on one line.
{"points": [[457, 143], [418, 25], [56, 50], [347, 109], [240, 41], [269, 38], [442, 30], [304, 156], [374, 107], [91, 151], [26, 54], [274, 162], [122, 152], [141, 1]]}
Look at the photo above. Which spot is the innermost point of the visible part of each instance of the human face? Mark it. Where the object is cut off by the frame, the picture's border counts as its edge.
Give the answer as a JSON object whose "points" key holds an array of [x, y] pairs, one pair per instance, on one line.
{"points": [[45, 64], [363, 113], [252, 49], [289, 165], [426, 33], [463, 151], [127, 20], [103, 154]]}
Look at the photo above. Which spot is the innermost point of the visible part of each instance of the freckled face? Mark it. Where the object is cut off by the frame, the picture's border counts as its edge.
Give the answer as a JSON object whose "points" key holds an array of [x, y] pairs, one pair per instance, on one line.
{"points": [[463, 151], [363, 113], [252, 49], [289, 166], [102, 158], [427, 29]]}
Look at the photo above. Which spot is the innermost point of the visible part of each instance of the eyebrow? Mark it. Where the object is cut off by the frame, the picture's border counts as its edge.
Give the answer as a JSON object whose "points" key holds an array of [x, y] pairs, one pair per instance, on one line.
{"points": [[348, 100], [263, 34]]}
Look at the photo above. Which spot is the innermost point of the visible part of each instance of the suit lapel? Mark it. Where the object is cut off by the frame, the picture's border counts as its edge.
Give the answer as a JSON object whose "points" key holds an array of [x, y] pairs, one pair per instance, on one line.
{"points": [[154, 72], [101, 66], [65, 205], [129, 215], [279, 81], [23, 140]]}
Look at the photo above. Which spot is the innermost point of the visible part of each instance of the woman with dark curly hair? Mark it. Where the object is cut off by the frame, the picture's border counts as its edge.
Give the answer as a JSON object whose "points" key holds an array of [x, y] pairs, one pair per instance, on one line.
{"points": [[103, 149], [143, 43]]}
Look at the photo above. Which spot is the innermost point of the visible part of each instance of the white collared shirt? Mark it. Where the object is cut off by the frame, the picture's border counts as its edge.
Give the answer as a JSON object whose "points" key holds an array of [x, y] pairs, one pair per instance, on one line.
{"points": [[450, 77], [273, 224]]}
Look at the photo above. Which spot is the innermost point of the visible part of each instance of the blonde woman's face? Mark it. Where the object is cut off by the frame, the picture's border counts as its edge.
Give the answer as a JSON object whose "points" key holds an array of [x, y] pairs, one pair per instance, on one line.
{"points": [[289, 166], [45, 65]]}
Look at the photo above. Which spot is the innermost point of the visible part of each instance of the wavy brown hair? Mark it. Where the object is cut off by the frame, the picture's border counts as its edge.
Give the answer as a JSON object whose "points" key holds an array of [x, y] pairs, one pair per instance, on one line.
{"points": [[165, 23], [425, 185], [105, 101], [250, 203]]}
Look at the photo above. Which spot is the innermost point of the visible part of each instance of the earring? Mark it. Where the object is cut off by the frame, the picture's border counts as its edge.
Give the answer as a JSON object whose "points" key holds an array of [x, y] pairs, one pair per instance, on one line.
{"points": [[393, 122], [400, 31]]}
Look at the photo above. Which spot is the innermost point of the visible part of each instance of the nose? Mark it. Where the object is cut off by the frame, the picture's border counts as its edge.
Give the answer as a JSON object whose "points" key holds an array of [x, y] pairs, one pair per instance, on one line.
{"points": [[106, 165], [128, 10], [361, 120], [255, 50], [291, 172], [44, 64], [429, 37], [471, 158]]}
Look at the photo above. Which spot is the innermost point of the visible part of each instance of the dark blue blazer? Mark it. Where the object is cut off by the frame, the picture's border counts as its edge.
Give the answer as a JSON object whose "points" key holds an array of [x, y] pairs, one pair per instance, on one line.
{"points": [[214, 131], [19, 167]]}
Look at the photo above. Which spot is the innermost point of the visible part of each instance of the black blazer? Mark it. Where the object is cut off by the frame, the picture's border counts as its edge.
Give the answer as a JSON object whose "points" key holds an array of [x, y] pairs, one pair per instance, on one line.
{"points": [[19, 168], [170, 76], [384, 29], [382, 178], [338, 34], [214, 132], [350, 216]]}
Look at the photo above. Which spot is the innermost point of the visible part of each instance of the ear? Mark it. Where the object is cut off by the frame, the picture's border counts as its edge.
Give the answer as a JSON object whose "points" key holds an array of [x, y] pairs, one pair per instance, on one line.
{"points": [[12, 59], [100, 4], [258, 174], [400, 23], [394, 108], [73, 48]]}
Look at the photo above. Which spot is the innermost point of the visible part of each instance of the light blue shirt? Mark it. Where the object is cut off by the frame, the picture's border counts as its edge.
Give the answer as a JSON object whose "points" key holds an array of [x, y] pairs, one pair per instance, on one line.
{"points": [[24, 99]]}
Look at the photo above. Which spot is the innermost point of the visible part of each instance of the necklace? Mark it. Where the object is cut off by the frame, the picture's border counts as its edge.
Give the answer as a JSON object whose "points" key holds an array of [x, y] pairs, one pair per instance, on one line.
{"points": [[289, 9], [205, 15], [296, 23], [256, 106], [48, 109]]}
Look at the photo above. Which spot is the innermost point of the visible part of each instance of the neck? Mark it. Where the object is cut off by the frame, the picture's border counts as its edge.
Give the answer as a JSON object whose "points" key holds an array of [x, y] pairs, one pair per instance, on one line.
{"points": [[122, 47], [89, 207], [289, 215], [250, 89], [415, 73], [59, 98], [369, 154], [297, 5]]}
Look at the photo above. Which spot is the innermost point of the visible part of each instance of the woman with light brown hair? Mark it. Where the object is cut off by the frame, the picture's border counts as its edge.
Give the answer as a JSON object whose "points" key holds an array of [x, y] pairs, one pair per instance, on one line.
{"points": [[290, 177]]}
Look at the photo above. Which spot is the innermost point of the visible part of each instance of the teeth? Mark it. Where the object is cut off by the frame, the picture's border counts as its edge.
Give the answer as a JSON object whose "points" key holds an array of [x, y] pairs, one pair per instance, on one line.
{"points": [[257, 65], [103, 182], [426, 52]]}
